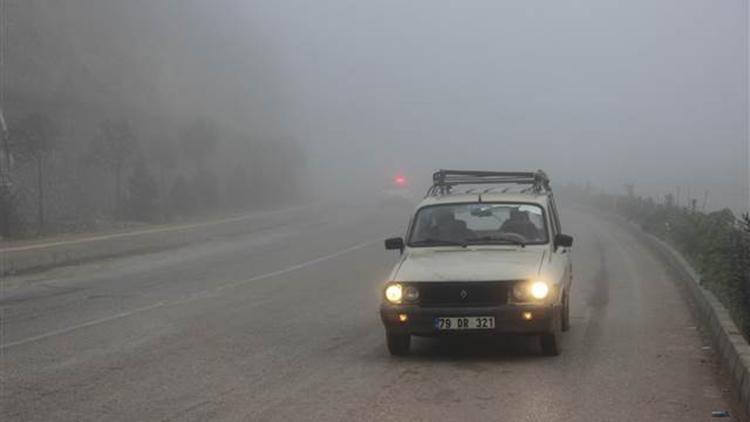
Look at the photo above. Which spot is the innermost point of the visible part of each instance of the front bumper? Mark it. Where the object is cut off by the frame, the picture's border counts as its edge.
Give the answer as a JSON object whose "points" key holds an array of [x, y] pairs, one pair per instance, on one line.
{"points": [[508, 319]]}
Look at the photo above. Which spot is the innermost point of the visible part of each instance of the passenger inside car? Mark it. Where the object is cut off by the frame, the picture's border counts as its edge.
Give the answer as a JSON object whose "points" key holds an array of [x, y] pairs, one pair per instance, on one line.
{"points": [[519, 223]]}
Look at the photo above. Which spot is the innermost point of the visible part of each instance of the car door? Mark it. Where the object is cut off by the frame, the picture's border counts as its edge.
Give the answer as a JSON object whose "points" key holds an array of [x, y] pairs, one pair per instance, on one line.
{"points": [[560, 258]]}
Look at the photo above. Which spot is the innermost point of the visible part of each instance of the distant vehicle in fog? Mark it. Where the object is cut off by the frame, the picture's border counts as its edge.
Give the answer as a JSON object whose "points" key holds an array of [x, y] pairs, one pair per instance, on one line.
{"points": [[399, 190]]}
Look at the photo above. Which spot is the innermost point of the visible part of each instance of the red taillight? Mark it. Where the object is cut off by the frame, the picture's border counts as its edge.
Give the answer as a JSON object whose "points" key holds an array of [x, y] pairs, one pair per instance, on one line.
{"points": [[400, 180]]}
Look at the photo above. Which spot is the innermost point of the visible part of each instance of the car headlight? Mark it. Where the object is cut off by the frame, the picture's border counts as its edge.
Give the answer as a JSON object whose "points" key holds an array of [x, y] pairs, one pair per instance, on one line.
{"points": [[394, 293], [539, 290], [521, 291], [527, 292], [411, 294]]}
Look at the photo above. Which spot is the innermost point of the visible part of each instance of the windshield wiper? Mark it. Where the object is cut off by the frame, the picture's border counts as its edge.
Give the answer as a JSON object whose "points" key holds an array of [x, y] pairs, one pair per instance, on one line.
{"points": [[500, 238], [441, 241]]}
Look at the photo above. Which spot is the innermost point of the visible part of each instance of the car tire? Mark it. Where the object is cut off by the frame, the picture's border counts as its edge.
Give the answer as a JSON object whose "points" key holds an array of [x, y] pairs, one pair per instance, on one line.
{"points": [[398, 344], [550, 344], [565, 317]]}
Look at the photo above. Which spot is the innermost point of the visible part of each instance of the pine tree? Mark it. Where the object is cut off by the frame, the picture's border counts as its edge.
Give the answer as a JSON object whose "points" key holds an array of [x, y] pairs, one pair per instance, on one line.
{"points": [[143, 193]]}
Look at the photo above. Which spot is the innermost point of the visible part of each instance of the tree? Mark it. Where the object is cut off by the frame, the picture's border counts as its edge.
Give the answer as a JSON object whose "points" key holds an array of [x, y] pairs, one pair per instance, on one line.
{"points": [[238, 187], [669, 201], [164, 155], [199, 141], [35, 138], [181, 197], [10, 218], [113, 147], [205, 186], [143, 192]]}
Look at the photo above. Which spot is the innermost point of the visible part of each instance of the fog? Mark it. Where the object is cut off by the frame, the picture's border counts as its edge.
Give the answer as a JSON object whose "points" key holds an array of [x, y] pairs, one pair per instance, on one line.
{"points": [[610, 92], [601, 92]]}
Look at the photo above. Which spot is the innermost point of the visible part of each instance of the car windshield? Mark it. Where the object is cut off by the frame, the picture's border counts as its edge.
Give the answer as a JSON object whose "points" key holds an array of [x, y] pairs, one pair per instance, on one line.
{"points": [[479, 223]]}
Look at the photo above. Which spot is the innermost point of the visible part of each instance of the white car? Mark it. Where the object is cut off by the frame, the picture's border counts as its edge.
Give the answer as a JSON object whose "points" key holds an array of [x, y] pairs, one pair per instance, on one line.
{"points": [[484, 253]]}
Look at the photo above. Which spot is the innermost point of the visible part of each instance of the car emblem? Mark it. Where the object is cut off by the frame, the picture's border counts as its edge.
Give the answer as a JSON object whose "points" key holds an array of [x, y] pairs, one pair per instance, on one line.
{"points": [[464, 293]]}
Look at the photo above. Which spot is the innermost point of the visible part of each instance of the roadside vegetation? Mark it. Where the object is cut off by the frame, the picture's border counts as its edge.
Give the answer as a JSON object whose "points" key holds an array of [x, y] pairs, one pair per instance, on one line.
{"points": [[717, 243], [127, 172], [133, 126]]}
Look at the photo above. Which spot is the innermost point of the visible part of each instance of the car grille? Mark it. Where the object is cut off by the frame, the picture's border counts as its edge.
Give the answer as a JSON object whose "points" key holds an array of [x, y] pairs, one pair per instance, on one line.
{"points": [[482, 293]]}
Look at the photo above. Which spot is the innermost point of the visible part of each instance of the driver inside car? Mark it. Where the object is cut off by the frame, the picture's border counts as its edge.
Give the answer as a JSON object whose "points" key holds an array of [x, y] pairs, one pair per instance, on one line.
{"points": [[447, 227]]}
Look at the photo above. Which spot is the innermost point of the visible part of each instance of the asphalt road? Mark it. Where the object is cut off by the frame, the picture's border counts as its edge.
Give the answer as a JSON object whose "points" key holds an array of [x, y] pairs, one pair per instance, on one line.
{"points": [[282, 325]]}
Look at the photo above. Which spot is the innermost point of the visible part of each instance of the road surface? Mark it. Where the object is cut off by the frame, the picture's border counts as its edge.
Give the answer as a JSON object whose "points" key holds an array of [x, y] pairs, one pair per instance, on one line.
{"points": [[282, 325]]}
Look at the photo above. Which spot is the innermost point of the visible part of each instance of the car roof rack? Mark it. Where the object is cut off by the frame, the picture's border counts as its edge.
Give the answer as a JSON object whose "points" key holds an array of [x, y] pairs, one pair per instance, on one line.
{"points": [[443, 181]]}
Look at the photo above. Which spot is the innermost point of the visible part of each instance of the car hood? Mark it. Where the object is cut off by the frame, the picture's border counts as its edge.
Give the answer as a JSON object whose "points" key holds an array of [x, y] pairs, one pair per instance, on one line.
{"points": [[458, 264]]}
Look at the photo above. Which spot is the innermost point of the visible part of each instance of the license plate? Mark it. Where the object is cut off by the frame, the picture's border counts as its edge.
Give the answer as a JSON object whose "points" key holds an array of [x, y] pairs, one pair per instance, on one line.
{"points": [[465, 323]]}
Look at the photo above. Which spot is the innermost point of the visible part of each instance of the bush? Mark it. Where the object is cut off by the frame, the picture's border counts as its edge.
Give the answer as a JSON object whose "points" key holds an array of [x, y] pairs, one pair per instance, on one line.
{"points": [[717, 244]]}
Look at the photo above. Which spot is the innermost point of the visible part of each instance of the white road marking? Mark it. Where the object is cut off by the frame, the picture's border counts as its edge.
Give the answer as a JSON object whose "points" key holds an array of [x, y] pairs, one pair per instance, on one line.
{"points": [[190, 298]]}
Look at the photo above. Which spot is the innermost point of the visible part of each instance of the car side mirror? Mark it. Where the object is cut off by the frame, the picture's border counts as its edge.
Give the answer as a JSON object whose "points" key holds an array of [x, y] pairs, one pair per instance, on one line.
{"points": [[563, 240], [394, 243]]}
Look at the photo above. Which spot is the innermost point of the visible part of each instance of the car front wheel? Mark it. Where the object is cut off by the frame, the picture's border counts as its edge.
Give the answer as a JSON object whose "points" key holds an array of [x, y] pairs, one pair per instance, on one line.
{"points": [[398, 344], [550, 344]]}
